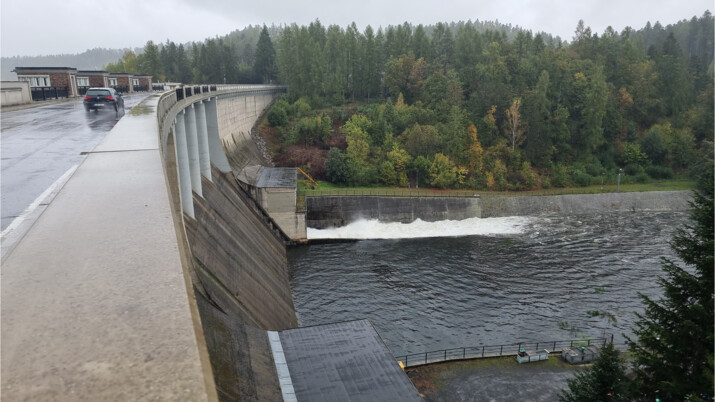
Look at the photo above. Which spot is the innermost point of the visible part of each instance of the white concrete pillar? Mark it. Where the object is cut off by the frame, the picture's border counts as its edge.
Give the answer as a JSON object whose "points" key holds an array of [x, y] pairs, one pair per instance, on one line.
{"points": [[216, 152], [193, 146], [203, 138], [182, 162]]}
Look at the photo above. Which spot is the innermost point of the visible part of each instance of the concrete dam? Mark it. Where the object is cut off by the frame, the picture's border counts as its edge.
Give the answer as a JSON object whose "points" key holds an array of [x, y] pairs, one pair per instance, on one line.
{"points": [[159, 272]]}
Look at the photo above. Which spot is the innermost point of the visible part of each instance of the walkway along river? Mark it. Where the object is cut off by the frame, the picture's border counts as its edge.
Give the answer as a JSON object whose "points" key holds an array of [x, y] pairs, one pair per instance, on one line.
{"points": [[494, 281]]}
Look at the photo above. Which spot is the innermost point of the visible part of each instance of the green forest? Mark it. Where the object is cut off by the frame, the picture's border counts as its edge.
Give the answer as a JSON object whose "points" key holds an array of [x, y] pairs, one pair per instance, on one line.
{"points": [[470, 105]]}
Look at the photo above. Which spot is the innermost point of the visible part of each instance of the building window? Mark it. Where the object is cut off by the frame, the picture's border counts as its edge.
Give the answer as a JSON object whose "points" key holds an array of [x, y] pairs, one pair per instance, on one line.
{"points": [[112, 82], [135, 81], [83, 81], [36, 80]]}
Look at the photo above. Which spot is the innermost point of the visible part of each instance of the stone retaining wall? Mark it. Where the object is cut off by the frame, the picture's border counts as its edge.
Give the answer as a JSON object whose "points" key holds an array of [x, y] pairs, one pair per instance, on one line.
{"points": [[585, 203]]}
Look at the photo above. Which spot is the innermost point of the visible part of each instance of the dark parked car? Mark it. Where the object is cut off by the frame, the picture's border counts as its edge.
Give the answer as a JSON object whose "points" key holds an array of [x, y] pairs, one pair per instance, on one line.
{"points": [[103, 98]]}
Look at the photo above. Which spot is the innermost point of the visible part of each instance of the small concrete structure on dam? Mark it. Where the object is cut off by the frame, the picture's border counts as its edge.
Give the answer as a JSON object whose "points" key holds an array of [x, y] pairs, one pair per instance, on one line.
{"points": [[160, 271]]}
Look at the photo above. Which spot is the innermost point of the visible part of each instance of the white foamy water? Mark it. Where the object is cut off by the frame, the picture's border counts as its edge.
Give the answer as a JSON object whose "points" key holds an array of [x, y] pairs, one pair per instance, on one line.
{"points": [[374, 229]]}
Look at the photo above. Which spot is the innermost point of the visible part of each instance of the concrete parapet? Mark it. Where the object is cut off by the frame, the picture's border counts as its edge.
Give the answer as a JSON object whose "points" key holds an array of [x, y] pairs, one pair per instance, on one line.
{"points": [[14, 93]]}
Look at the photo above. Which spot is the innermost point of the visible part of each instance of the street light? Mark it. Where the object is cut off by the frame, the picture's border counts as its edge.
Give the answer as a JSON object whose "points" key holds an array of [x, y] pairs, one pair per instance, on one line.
{"points": [[618, 185]]}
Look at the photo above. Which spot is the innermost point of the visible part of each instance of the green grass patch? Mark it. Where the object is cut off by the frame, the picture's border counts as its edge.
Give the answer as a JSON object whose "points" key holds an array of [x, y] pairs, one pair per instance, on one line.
{"points": [[327, 188]]}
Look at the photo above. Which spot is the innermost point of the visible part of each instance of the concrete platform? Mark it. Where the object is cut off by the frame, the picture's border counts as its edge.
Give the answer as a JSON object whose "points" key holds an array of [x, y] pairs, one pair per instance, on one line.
{"points": [[94, 300]]}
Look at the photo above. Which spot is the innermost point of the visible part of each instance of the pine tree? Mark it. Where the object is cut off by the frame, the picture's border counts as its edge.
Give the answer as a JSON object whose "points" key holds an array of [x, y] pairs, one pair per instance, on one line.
{"points": [[264, 66], [605, 380], [673, 353]]}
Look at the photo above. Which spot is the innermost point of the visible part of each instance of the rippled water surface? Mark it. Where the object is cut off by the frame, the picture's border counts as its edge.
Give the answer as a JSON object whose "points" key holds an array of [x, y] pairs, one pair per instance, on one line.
{"points": [[551, 278]]}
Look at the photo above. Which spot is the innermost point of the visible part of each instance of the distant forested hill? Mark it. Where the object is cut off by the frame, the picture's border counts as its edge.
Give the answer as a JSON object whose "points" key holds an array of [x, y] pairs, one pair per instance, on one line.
{"points": [[93, 59]]}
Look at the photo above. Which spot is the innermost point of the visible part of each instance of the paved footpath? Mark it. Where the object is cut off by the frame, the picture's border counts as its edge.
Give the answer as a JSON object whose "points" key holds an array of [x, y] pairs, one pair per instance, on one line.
{"points": [[94, 300]]}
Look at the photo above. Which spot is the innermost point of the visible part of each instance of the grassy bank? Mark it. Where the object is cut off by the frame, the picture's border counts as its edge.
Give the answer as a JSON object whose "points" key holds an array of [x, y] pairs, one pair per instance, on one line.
{"points": [[326, 188]]}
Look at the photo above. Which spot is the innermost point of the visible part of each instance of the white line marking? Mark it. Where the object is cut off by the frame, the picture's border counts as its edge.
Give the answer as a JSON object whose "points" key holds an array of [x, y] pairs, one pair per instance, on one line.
{"points": [[57, 184]]}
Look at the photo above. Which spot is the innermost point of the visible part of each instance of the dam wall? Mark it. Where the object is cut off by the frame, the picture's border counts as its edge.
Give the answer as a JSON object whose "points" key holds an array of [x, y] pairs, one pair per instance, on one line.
{"points": [[336, 211], [233, 252], [236, 117], [585, 203]]}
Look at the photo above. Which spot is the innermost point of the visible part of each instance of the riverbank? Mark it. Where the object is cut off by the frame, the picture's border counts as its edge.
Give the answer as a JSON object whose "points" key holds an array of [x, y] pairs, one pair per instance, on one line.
{"points": [[498, 379]]}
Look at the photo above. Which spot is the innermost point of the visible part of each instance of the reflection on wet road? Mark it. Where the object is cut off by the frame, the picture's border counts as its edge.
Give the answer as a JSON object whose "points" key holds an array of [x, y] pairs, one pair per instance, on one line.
{"points": [[40, 144]]}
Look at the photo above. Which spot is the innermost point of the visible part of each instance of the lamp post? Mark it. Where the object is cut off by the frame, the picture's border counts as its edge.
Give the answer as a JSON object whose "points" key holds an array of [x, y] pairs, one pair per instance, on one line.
{"points": [[618, 185]]}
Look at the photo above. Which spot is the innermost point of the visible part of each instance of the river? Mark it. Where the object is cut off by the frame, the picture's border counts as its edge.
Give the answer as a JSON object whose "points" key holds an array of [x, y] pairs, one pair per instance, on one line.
{"points": [[432, 286]]}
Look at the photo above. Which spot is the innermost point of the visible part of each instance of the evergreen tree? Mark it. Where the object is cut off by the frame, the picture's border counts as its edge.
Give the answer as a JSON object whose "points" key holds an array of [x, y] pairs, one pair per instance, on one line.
{"points": [[264, 66], [673, 352], [605, 380], [149, 62]]}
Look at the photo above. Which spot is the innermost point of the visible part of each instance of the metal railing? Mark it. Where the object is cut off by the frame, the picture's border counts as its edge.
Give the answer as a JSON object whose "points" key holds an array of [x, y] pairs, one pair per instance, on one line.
{"points": [[479, 352], [171, 98], [122, 89], [44, 93]]}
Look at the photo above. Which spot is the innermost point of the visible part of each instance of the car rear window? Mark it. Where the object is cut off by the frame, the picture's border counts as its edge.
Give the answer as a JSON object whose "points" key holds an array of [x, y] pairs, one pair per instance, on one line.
{"points": [[98, 92]]}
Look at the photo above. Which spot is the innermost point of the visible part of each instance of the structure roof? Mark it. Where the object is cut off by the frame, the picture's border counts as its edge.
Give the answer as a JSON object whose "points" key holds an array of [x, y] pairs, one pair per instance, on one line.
{"points": [[272, 177], [346, 361], [45, 68]]}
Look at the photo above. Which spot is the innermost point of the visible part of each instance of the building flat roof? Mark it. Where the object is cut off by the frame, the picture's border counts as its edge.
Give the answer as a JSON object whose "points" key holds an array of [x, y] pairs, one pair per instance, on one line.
{"points": [[44, 68], [272, 177], [345, 361]]}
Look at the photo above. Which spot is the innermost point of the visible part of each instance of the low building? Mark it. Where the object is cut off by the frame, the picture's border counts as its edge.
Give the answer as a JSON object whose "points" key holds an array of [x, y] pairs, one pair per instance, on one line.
{"points": [[64, 82], [91, 78], [122, 82], [49, 82], [142, 83]]}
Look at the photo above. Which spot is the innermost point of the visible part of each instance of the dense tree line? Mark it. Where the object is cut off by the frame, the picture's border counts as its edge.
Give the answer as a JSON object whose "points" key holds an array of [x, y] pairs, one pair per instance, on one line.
{"points": [[471, 104], [234, 58], [476, 109]]}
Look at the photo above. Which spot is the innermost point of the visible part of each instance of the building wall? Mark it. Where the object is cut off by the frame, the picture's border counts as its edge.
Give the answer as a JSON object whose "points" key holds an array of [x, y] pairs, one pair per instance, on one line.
{"points": [[280, 203], [123, 81], [61, 80], [96, 80], [145, 81]]}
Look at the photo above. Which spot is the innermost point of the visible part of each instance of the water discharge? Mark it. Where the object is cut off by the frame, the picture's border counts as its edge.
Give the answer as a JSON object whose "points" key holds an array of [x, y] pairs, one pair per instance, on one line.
{"points": [[374, 229], [494, 281]]}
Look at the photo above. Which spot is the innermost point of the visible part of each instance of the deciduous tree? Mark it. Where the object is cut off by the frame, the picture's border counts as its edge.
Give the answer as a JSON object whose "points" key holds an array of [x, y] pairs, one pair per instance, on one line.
{"points": [[514, 125]]}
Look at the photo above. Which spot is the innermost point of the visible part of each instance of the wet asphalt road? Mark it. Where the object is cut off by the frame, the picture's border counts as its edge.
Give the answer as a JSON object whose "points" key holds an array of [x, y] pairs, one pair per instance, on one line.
{"points": [[42, 145]]}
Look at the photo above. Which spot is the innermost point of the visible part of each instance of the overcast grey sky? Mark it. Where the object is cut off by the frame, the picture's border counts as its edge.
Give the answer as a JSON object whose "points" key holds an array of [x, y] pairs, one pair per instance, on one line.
{"points": [[34, 27]]}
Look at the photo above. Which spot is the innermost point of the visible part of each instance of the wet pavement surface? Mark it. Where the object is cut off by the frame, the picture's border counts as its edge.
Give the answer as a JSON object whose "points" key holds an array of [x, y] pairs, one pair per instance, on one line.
{"points": [[501, 379], [40, 145]]}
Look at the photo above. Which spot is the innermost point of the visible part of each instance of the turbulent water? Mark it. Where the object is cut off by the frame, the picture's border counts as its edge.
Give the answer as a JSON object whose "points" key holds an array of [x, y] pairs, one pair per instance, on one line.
{"points": [[494, 281]]}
